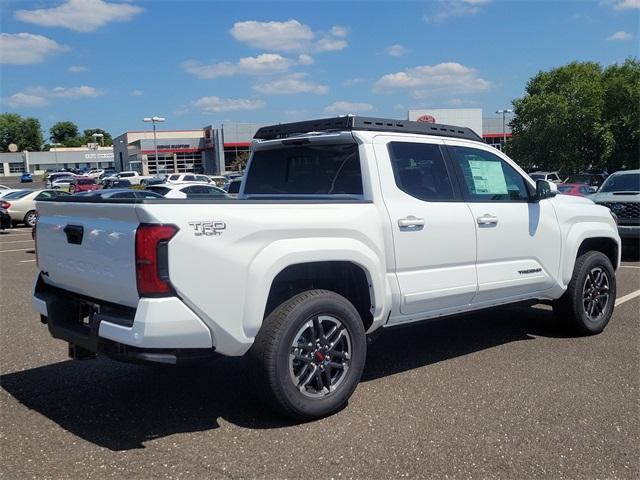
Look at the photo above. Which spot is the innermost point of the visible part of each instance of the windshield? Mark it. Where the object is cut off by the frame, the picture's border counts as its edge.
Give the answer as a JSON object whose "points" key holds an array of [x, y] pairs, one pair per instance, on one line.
{"points": [[16, 195], [564, 188], [625, 182], [537, 176], [317, 170]]}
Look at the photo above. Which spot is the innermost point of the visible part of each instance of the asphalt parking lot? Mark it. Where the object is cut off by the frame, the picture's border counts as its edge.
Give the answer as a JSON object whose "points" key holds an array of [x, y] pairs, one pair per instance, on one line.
{"points": [[498, 394]]}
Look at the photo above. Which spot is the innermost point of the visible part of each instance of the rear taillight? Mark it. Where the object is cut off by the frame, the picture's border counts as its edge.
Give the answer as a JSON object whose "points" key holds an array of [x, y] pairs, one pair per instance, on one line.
{"points": [[152, 262], [5, 205]]}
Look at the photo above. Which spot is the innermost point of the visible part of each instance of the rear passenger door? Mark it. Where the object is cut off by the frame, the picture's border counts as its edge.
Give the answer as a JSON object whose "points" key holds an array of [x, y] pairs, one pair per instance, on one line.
{"points": [[433, 230], [518, 240]]}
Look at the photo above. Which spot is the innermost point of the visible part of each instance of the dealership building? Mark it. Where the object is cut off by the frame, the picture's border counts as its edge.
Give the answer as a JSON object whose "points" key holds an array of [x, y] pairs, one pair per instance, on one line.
{"points": [[207, 150], [490, 128], [14, 164]]}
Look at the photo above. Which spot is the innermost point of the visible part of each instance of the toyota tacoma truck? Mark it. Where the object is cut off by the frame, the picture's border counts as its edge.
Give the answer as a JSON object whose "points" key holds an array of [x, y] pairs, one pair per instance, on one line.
{"points": [[343, 227]]}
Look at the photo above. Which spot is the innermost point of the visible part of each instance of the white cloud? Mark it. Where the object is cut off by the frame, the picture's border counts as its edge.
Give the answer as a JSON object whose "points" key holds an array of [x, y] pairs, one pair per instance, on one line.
{"points": [[289, 36], [396, 50], [342, 107], [457, 102], [291, 84], [136, 93], [304, 59], [423, 81], [354, 81], [339, 31], [260, 65], [83, 91], [26, 100], [620, 36], [40, 96], [623, 4], [26, 48], [80, 15], [444, 9], [217, 104], [77, 69], [399, 106]]}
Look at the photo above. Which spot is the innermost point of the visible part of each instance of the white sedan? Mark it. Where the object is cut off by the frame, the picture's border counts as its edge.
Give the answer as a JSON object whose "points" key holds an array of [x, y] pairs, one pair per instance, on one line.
{"points": [[189, 190]]}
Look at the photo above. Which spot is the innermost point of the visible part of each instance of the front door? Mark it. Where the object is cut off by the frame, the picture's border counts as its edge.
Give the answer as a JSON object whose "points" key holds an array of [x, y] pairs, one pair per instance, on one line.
{"points": [[519, 241], [433, 230]]}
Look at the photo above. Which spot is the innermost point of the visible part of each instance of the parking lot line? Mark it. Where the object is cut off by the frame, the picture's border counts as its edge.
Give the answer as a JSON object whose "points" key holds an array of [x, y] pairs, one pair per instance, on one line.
{"points": [[629, 266], [27, 261], [628, 297], [16, 250]]}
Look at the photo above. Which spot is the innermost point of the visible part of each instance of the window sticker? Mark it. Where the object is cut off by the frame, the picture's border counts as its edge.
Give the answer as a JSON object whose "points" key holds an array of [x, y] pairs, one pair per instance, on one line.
{"points": [[488, 177]]}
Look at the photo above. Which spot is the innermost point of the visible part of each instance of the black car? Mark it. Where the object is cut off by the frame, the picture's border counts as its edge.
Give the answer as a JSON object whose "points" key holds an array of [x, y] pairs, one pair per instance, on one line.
{"points": [[115, 183], [5, 218]]}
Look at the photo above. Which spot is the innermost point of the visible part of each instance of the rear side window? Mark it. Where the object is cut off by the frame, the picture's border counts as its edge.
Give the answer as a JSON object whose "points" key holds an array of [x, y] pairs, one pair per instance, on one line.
{"points": [[189, 178], [234, 186], [127, 174], [488, 178], [420, 171], [316, 170], [160, 190], [174, 177]]}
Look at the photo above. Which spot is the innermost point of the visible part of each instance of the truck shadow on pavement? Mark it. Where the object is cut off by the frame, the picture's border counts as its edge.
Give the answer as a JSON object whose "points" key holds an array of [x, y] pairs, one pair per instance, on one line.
{"points": [[120, 406]]}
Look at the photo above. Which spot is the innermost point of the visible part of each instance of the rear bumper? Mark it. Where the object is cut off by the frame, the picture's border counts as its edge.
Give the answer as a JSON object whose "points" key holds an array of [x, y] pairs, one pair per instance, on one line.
{"points": [[156, 326]]}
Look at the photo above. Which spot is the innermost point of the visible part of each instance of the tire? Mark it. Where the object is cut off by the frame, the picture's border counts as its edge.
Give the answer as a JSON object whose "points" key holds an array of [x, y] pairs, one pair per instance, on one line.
{"points": [[30, 218], [337, 360], [587, 305]]}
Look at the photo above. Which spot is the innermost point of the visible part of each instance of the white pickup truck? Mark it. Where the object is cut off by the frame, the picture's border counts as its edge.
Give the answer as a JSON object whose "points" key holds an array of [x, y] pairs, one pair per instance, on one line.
{"points": [[343, 227]]}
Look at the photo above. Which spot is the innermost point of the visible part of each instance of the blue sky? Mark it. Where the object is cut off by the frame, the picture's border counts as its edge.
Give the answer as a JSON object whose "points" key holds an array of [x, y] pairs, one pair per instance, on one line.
{"points": [[108, 64]]}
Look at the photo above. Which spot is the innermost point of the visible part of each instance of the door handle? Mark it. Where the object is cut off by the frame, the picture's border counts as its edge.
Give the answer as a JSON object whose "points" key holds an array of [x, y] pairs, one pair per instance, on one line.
{"points": [[410, 222], [487, 219]]}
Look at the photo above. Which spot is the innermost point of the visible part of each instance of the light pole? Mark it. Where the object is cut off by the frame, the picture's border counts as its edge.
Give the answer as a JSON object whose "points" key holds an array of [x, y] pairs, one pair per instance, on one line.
{"points": [[55, 150], [154, 120], [504, 112], [95, 145]]}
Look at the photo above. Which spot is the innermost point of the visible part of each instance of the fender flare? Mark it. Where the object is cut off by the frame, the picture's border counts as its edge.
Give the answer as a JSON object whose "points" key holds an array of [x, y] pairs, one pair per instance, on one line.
{"points": [[277, 256], [577, 234]]}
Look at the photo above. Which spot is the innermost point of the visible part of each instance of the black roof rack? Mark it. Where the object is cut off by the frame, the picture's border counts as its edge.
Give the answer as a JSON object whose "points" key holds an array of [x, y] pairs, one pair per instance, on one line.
{"points": [[351, 122]]}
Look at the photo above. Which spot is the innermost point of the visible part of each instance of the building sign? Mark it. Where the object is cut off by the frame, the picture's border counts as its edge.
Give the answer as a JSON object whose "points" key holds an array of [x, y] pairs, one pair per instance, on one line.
{"points": [[174, 146], [427, 118], [100, 155]]}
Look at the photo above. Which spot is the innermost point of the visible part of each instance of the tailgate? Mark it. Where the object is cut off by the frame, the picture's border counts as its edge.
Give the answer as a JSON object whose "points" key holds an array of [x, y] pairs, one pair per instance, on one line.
{"points": [[89, 248]]}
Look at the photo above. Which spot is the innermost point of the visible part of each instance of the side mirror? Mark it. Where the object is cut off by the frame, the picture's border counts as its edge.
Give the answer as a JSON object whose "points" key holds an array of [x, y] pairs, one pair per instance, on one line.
{"points": [[544, 189]]}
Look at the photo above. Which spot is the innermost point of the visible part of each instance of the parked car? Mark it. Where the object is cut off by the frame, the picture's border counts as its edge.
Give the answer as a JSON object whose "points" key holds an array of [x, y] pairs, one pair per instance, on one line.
{"points": [[22, 204], [107, 172], [94, 173], [26, 177], [7, 191], [593, 180], [550, 176], [146, 182], [5, 218], [621, 193], [132, 176], [120, 193], [83, 184], [115, 183], [187, 178], [3, 187], [233, 187], [63, 183], [576, 189], [339, 234], [58, 176], [188, 190]]}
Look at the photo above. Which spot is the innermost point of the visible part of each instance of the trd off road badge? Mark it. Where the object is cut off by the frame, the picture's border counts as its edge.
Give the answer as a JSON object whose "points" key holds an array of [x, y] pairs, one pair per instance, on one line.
{"points": [[208, 228]]}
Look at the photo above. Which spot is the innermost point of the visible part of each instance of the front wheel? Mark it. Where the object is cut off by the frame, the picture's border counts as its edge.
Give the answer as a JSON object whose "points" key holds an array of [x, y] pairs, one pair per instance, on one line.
{"points": [[309, 354], [587, 305], [30, 218]]}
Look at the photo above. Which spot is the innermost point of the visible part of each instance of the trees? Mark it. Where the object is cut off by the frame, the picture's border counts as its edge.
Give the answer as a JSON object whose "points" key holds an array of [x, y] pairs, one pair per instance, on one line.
{"points": [[67, 134], [579, 116], [62, 132], [24, 132]]}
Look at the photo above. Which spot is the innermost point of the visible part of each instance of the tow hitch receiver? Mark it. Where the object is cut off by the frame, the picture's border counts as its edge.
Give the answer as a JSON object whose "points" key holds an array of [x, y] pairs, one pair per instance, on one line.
{"points": [[78, 353]]}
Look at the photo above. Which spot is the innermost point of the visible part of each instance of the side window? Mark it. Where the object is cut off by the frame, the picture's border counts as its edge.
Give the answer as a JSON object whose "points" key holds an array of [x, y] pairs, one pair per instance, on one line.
{"points": [[45, 195], [420, 171], [488, 178], [174, 177], [124, 195], [189, 178], [584, 190]]}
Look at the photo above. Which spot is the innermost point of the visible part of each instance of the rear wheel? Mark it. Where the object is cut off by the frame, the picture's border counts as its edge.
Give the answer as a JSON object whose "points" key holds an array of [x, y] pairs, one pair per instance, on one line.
{"points": [[587, 305], [30, 218], [309, 354]]}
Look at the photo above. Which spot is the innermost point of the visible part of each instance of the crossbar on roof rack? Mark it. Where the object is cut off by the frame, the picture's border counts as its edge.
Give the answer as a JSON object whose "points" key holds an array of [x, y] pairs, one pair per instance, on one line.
{"points": [[351, 122]]}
